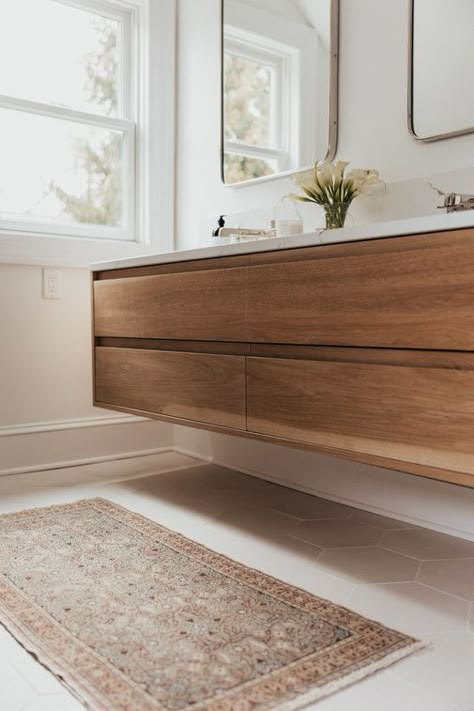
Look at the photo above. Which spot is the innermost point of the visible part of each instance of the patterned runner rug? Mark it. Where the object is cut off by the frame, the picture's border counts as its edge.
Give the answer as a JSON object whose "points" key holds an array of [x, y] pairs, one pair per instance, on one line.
{"points": [[134, 617]]}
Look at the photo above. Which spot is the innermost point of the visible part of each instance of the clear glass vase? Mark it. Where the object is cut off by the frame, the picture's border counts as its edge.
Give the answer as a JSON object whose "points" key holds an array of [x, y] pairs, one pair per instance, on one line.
{"points": [[336, 214]]}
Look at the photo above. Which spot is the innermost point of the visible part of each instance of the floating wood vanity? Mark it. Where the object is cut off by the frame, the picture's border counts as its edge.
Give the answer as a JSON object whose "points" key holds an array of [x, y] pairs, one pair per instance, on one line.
{"points": [[361, 349]]}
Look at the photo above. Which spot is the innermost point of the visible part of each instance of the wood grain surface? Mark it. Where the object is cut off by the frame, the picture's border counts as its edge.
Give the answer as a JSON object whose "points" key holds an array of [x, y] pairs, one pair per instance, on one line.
{"points": [[406, 413], [192, 386], [377, 294], [203, 305]]}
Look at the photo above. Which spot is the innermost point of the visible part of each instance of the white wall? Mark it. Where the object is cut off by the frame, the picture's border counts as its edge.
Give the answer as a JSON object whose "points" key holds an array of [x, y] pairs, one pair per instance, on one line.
{"points": [[373, 132], [372, 127], [46, 412], [45, 347]]}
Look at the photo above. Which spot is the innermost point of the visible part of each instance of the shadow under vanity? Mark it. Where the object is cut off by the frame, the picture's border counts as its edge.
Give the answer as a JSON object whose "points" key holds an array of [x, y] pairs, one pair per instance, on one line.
{"points": [[362, 349]]}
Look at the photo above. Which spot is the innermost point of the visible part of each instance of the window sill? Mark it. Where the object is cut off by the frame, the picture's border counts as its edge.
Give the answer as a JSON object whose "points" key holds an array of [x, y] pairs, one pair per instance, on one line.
{"points": [[79, 252]]}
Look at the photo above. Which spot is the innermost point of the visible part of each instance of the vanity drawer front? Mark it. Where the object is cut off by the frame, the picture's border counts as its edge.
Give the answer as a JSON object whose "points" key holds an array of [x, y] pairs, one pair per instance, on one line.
{"points": [[410, 292], [201, 387], [415, 414], [202, 305]]}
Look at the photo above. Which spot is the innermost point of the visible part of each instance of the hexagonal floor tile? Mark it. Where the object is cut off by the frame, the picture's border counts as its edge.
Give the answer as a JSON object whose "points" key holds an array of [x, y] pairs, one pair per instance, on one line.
{"points": [[250, 520], [15, 690], [217, 477], [337, 533], [449, 660], [287, 559], [424, 544], [311, 508], [451, 576], [54, 702], [411, 608], [388, 524], [35, 675], [368, 565]]}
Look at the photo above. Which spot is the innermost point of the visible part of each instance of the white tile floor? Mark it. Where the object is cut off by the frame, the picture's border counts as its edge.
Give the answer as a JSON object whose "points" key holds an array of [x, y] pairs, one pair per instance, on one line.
{"points": [[418, 581]]}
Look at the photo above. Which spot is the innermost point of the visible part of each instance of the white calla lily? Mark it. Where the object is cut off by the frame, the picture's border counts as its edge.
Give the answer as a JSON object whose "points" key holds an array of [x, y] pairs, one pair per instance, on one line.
{"points": [[304, 177], [341, 166], [329, 185]]}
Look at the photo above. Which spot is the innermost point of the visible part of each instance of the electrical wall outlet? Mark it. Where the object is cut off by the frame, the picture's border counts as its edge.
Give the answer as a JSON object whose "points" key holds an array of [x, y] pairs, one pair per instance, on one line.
{"points": [[51, 284]]}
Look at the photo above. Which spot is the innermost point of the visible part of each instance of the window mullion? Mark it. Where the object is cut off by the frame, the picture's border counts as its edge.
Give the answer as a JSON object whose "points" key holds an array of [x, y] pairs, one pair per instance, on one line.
{"points": [[59, 112], [247, 149]]}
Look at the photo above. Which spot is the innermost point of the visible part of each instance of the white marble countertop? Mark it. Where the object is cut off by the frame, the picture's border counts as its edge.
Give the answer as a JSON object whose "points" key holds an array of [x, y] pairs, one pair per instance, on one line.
{"points": [[374, 230]]}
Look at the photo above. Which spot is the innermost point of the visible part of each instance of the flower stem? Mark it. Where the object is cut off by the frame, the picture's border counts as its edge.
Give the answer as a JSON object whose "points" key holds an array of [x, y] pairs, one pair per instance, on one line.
{"points": [[336, 214]]}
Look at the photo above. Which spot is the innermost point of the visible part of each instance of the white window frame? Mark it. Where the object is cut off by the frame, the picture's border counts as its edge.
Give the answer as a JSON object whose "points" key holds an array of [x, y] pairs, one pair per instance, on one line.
{"points": [[148, 130], [263, 50]]}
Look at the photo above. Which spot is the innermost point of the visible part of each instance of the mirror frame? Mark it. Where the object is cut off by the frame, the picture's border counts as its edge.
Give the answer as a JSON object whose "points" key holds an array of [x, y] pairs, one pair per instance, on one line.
{"points": [[333, 100], [411, 90]]}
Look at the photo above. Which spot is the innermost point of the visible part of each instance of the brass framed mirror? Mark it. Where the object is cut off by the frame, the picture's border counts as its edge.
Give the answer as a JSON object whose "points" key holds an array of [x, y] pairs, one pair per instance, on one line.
{"points": [[279, 87], [440, 67]]}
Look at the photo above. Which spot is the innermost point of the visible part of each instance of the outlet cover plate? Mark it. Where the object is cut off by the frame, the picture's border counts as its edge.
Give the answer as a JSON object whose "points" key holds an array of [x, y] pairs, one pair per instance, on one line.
{"points": [[52, 284]]}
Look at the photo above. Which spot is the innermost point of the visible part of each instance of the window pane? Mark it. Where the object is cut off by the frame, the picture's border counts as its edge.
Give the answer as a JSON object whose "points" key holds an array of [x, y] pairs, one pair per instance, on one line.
{"points": [[60, 55], [248, 88], [238, 167], [61, 171]]}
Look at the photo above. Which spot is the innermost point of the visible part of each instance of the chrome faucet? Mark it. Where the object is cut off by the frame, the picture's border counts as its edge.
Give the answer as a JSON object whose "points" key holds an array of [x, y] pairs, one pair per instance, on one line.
{"points": [[454, 202], [457, 202], [223, 231]]}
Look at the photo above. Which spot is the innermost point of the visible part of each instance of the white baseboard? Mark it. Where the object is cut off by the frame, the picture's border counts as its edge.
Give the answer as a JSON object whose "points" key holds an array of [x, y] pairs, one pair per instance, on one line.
{"points": [[58, 425], [442, 507], [205, 459], [72, 443], [69, 463]]}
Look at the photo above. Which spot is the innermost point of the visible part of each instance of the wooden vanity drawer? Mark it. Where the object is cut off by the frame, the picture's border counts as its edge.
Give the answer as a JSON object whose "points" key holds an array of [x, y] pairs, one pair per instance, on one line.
{"points": [[201, 387], [419, 414], [409, 292], [202, 305]]}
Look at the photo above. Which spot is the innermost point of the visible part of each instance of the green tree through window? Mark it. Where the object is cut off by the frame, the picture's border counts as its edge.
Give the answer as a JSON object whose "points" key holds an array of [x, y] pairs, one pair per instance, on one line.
{"points": [[100, 203]]}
